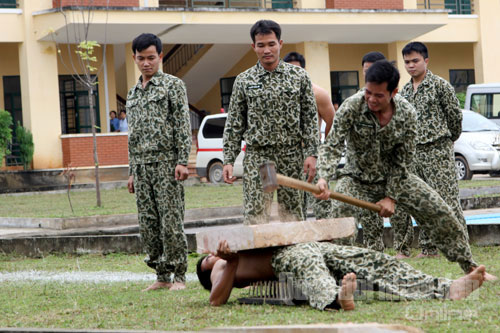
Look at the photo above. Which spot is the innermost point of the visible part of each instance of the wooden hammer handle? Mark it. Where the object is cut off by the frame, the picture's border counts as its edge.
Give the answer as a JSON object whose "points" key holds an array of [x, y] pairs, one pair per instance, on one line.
{"points": [[305, 186]]}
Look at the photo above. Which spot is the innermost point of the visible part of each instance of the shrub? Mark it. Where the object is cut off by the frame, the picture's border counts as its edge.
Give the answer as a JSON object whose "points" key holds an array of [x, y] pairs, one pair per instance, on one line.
{"points": [[5, 133], [461, 99], [26, 146]]}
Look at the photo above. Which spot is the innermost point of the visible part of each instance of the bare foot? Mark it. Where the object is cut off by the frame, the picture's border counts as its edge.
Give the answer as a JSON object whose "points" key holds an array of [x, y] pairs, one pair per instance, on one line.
{"points": [[158, 285], [177, 286], [461, 288], [402, 256], [489, 277], [345, 298]]}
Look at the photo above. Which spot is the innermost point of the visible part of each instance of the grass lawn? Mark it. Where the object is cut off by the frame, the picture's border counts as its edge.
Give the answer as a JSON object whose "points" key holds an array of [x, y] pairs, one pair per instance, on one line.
{"points": [[119, 201], [124, 306]]}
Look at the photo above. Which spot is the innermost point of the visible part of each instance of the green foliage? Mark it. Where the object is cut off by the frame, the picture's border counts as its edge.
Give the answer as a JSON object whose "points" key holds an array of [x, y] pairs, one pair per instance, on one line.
{"points": [[26, 145], [461, 99], [5, 133], [85, 51]]}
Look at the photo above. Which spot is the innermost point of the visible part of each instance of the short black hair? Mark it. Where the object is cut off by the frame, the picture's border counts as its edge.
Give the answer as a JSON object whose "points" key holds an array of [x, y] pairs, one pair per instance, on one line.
{"points": [[204, 275], [295, 56], [123, 111], [143, 41], [372, 57], [265, 27], [383, 71], [418, 47], [113, 112]]}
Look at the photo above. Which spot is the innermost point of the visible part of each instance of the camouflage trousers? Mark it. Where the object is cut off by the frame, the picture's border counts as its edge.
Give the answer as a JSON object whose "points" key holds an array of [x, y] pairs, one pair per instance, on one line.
{"points": [[160, 206], [257, 204], [435, 165], [322, 209], [435, 217], [318, 267]]}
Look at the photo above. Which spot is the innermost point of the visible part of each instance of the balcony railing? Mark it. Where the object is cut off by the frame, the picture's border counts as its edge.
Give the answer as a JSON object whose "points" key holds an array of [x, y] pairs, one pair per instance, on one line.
{"points": [[461, 7], [251, 4], [9, 4]]}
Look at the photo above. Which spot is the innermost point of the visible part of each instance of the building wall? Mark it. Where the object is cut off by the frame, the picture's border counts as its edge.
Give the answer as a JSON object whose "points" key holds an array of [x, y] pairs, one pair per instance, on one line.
{"points": [[78, 149], [365, 4], [443, 57], [112, 3], [9, 65]]}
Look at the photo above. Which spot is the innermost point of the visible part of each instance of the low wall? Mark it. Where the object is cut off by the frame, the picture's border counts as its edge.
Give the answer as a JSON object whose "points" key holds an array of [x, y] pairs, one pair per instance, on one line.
{"points": [[78, 149]]}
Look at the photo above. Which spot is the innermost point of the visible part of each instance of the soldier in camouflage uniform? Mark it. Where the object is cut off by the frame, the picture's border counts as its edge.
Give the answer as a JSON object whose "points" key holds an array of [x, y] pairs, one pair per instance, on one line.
{"points": [[273, 109], [317, 269], [378, 128], [159, 142], [439, 124], [322, 209]]}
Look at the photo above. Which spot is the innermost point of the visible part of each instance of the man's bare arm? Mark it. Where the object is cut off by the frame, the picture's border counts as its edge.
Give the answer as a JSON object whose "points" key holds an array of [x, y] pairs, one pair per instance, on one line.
{"points": [[223, 275], [326, 110]]}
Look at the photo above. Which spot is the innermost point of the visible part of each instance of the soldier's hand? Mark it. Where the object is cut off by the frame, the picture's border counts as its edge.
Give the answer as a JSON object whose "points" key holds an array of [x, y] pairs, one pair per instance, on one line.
{"points": [[181, 172], [224, 252], [130, 184], [310, 168], [388, 206], [227, 172], [325, 191]]}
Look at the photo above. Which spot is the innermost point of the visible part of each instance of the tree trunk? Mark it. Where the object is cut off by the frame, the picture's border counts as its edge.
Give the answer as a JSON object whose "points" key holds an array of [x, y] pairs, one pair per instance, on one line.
{"points": [[94, 139]]}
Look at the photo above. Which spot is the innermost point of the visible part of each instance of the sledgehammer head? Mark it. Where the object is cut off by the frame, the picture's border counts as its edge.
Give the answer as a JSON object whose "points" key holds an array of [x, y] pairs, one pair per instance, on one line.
{"points": [[268, 177]]}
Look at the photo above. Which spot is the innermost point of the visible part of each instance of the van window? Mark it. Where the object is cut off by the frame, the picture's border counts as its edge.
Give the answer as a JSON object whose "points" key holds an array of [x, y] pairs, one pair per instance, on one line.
{"points": [[214, 128], [486, 104]]}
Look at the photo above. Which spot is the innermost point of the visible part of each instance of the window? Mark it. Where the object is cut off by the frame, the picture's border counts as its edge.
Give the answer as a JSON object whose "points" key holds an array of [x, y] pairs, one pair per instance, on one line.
{"points": [[458, 6], [487, 104], [75, 110], [214, 128], [226, 89], [344, 84], [461, 78], [12, 101]]}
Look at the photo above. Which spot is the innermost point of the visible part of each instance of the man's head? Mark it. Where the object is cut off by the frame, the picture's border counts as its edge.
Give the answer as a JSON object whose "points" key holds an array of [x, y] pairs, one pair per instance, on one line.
{"points": [[267, 43], [123, 114], [369, 59], [204, 270], [112, 114], [416, 58], [296, 59], [381, 86], [147, 49]]}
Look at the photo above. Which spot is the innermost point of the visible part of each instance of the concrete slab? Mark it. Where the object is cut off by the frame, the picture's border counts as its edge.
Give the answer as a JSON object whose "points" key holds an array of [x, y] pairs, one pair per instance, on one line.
{"points": [[245, 237]]}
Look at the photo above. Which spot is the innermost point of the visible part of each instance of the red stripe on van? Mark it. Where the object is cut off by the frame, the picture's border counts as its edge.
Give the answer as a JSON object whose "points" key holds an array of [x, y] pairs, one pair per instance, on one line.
{"points": [[210, 149]]}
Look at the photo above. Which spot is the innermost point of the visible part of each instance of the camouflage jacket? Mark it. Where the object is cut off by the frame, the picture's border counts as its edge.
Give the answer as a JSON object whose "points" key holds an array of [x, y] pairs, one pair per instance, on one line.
{"points": [[438, 110], [374, 154], [158, 121], [275, 108]]}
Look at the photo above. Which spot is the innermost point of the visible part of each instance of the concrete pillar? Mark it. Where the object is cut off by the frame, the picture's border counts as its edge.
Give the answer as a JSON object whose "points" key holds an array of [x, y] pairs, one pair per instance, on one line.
{"points": [[40, 91], [486, 65], [107, 87], [317, 62], [320, 4], [394, 54], [410, 4], [149, 3], [133, 72]]}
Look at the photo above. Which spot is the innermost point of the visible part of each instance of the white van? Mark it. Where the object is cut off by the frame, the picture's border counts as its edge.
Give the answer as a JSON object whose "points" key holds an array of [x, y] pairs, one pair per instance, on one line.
{"points": [[209, 158], [485, 100]]}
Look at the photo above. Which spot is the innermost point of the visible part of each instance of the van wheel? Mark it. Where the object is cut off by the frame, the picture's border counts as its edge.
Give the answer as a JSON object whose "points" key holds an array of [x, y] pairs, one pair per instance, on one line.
{"points": [[463, 171], [215, 173]]}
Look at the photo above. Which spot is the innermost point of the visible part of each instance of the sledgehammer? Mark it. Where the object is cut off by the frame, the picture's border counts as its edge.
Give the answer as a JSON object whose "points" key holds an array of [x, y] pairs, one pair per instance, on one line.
{"points": [[271, 180]]}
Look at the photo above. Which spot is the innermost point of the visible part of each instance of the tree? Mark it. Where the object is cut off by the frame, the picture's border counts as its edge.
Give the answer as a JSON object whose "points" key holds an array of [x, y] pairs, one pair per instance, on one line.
{"points": [[85, 72], [26, 146], [5, 133]]}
